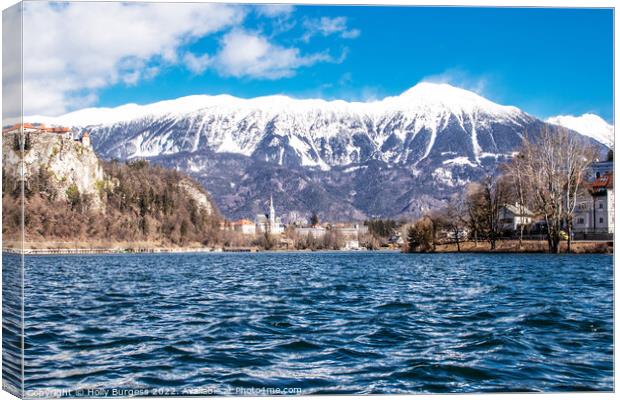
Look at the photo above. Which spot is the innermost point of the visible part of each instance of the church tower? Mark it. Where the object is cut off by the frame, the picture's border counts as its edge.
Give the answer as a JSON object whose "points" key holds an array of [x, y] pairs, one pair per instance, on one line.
{"points": [[85, 139], [272, 214]]}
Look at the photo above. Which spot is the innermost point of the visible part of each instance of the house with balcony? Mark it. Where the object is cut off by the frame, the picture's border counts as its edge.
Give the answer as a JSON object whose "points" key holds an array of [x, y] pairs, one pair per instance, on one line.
{"points": [[594, 212]]}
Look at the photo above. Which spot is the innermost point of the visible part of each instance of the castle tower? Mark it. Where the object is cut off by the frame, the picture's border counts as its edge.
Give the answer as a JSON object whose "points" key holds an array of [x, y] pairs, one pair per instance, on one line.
{"points": [[86, 139]]}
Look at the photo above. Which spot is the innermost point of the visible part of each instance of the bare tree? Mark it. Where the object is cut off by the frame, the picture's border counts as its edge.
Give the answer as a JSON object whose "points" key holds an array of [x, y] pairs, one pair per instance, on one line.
{"points": [[553, 166], [576, 162], [454, 219], [520, 191], [435, 218], [494, 195], [474, 205]]}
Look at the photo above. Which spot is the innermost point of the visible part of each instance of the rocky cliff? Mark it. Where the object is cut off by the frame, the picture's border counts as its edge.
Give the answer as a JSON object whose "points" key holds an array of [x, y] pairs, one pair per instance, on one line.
{"points": [[69, 163]]}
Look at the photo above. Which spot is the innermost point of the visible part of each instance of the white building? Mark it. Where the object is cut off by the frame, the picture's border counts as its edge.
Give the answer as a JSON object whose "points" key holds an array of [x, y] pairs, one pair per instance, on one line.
{"points": [[594, 212], [85, 140], [244, 226], [513, 216], [351, 245], [351, 231], [269, 222], [317, 232]]}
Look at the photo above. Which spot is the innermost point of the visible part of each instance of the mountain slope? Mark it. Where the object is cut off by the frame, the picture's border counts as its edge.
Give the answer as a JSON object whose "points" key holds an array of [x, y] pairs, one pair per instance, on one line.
{"points": [[346, 160], [590, 125]]}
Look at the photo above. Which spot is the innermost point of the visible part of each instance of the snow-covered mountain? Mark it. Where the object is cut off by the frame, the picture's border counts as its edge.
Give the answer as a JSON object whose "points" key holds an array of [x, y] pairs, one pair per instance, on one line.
{"points": [[590, 125], [343, 159]]}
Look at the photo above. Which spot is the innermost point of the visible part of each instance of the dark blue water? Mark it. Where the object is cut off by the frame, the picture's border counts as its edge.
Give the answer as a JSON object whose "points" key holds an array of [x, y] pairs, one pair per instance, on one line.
{"points": [[12, 323], [319, 323]]}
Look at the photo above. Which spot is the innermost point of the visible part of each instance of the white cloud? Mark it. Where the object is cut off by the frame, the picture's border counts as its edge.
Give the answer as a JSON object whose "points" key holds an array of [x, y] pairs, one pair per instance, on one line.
{"points": [[247, 54], [11, 65], [197, 64], [326, 26], [352, 34], [73, 49], [275, 10]]}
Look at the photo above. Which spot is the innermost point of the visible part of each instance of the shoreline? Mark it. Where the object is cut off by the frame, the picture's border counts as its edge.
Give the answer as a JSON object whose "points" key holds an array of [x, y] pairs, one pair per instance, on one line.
{"points": [[92, 251], [466, 248], [103, 248], [110, 251], [528, 247]]}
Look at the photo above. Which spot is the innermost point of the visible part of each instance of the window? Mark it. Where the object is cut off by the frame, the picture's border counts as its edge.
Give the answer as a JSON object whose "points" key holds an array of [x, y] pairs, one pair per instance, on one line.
{"points": [[601, 220], [580, 221], [600, 205]]}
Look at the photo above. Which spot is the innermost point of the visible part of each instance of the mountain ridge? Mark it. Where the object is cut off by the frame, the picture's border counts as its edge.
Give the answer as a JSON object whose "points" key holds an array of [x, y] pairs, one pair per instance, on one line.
{"points": [[390, 157], [587, 124]]}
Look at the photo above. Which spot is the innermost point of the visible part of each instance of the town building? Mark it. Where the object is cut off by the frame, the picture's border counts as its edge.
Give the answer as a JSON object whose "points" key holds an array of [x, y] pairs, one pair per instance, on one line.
{"points": [[269, 223], [244, 226], [600, 168], [513, 216], [317, 232], [594, 212], [352, 244], [351, 231]]}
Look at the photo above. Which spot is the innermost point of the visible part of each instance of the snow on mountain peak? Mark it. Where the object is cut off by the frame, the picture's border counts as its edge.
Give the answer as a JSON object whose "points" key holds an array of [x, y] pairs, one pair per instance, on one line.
{"points": [[425, 97], [439, 90], [588, 124], [314, 132]]}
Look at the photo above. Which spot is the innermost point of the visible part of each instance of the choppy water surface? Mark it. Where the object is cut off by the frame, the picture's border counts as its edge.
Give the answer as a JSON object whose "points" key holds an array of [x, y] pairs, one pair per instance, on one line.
{"points": [[319, 323]]}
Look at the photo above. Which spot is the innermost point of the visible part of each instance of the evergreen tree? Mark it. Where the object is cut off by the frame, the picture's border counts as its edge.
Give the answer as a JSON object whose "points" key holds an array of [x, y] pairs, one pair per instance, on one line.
{"points": [[314, 219]]}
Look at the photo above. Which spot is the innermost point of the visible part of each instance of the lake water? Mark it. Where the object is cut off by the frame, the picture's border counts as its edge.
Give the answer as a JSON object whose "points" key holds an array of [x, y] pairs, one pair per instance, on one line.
{"points": [[318, 323]]}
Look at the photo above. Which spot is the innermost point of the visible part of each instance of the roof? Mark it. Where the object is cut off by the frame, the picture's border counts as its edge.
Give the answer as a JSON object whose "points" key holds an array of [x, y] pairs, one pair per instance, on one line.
{"points": [[55, 129], [243, 222], [516, 209], [605, 181]]}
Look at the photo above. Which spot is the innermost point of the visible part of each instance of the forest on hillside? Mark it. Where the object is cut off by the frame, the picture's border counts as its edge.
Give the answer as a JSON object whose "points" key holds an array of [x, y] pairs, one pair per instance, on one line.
{"points": [[142, 203]]}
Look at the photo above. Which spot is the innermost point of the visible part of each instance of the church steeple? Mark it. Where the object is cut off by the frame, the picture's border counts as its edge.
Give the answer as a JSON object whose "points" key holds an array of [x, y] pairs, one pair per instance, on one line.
{"points": [[272, 212]]}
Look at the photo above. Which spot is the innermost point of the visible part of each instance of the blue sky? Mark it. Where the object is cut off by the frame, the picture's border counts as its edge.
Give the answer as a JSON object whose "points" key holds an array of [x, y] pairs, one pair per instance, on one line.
{"points": [[545, 61]]}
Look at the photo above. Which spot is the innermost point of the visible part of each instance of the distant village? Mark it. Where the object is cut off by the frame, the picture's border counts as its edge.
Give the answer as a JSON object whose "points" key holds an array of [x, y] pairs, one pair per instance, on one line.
{"points": [[593, 220], [300, 233]]}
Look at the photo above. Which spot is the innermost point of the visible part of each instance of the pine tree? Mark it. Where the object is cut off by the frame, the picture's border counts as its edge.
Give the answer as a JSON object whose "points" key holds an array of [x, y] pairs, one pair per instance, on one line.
{"points": [[314, 219]]}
